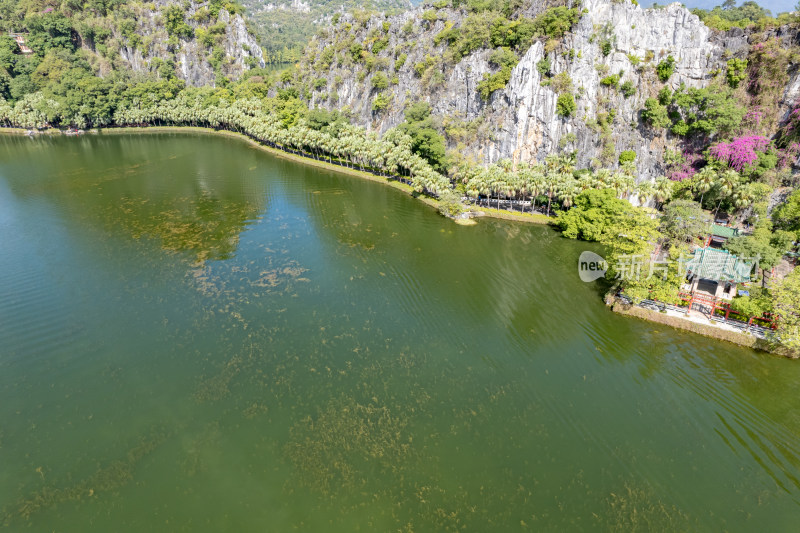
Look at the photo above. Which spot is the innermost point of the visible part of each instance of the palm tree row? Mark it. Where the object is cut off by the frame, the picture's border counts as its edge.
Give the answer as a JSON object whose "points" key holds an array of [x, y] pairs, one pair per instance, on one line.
{"points": [[352, 146], [555, 178]]}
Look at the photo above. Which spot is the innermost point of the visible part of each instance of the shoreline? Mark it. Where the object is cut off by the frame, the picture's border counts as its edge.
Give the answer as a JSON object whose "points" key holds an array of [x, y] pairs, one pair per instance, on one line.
{"points": [[530, 218], [709, 331]]}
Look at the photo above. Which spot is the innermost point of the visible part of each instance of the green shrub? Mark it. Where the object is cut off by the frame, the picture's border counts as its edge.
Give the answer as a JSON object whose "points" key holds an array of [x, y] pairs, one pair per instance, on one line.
{"points": [[175, 23], [561, 83], [665, 96], [556, 21], [380, 81], [656, 114], [493, 82], [400, 61], [566, 106], [430, 15], [627, 156], [381, 101], [450, 204], [356, 50], [320, 83], [543, 66], [737, 71], [610, 81], [380, 45], [680, 128], [627, 89], [503, 57], [666, 68]]}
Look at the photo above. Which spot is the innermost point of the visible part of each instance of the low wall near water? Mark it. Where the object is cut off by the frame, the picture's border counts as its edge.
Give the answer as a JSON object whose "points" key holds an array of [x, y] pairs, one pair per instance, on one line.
{"points": [[709, 330]]}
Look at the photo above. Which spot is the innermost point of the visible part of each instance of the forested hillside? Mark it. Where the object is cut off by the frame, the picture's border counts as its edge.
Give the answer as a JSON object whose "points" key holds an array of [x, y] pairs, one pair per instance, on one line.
{"points": [[83, 54]]}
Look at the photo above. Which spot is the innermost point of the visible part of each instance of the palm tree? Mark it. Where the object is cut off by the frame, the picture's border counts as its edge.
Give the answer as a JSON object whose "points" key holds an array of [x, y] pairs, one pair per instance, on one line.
{"points": [[744, 196], [727, 182], [662, 190], [704, 180], [551, 181], [586, 180], [603, 178], [567, 191], [536, 184], [645, 191]]}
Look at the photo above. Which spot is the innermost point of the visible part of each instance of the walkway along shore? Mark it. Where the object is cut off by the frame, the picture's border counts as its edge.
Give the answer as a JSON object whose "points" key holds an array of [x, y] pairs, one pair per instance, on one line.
{"points": [[700, 326]]}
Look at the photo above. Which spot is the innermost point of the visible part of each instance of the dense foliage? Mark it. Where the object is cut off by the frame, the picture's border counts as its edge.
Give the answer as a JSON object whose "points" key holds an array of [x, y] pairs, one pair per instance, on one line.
{"points": [[488, 26], [74, 43], [727, 16]]}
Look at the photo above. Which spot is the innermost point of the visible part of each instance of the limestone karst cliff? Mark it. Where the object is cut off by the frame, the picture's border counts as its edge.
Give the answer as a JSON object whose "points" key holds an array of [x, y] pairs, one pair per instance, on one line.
{"points": [[609, 61]]}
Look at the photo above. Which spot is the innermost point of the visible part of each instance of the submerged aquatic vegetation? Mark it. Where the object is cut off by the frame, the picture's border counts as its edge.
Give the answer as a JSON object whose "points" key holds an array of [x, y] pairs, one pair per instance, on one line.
{"points": [[346, 443], [216, 387], [114, 475], [192, 464], [637, 508]]}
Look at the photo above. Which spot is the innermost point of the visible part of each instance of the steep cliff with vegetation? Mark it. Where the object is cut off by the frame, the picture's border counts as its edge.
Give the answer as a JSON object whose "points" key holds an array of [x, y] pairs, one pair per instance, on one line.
{"points": [[75, 47], [584, 107], [520, 81]]}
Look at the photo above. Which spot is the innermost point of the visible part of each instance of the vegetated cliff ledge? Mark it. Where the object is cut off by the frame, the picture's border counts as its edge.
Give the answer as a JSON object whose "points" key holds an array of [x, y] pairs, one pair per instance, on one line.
{"points": [[608, 62]]}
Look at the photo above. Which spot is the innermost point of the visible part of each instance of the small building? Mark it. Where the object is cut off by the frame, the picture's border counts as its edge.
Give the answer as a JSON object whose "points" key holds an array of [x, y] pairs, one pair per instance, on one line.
{"points": [[716, 273], [20, 39], [720, 234]]}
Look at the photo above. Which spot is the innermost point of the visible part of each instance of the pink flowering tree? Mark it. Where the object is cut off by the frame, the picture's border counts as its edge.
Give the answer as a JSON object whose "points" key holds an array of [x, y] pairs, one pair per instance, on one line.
{"points": [[741, 152], [683, 167]]}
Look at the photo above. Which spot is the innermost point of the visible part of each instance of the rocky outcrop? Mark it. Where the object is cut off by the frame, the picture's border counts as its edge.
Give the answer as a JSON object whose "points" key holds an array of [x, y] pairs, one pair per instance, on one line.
{"points": [[521, 119], [525, 111], [193, 60]]}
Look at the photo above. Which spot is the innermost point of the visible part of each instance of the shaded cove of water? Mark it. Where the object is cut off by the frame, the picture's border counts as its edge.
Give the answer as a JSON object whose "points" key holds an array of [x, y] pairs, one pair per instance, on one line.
{"points": [[195, 335]]}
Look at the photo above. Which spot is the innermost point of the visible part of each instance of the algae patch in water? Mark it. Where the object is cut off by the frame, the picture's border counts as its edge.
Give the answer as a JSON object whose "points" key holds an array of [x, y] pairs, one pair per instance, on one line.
{"points": [[637, 508], [107, 478], [217, 386], [346, 443], [208, 438]]}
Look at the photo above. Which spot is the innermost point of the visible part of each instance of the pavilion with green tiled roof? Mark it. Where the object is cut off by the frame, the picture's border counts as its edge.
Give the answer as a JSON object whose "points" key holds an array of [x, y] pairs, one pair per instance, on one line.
{"points": [[720, 266]]}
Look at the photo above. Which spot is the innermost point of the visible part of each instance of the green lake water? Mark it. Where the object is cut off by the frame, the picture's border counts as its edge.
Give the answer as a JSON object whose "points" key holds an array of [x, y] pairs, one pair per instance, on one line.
{"points": [[198, 336]]}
